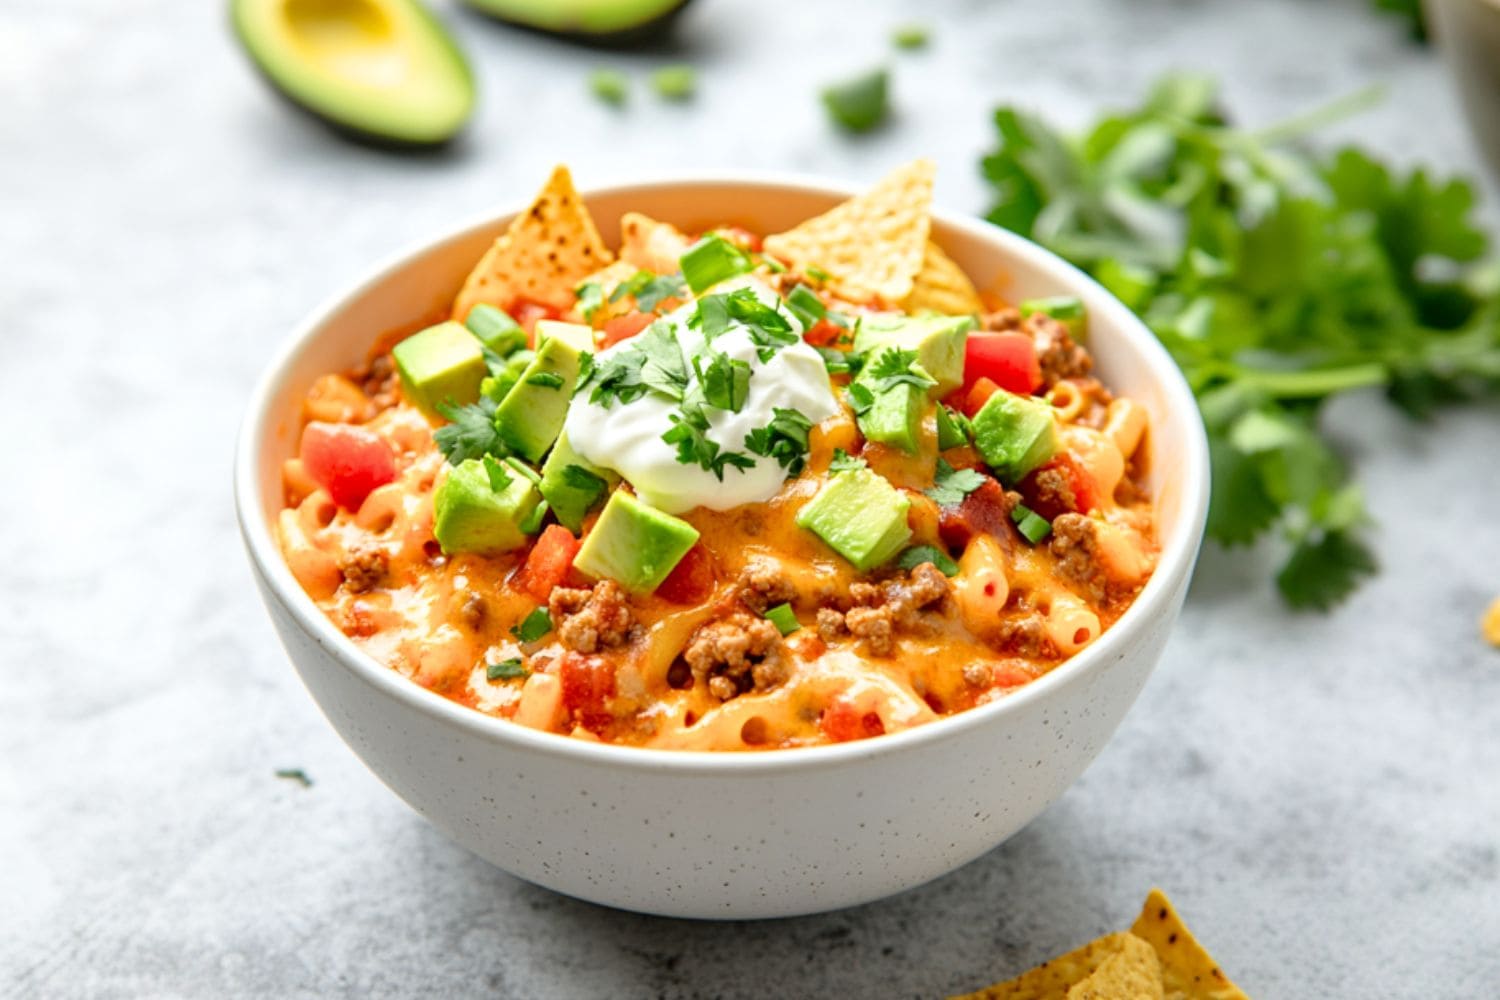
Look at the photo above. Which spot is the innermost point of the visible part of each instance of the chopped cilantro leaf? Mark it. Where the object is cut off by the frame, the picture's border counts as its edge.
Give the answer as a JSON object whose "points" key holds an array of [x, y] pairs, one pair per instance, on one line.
{"points": [[547, 380], [919, 554], [845, 462], [506, 670], [590, 299], [950, 485], [533, 626], [784, 439], [578, 478], [839, 362], [585, 370], [652, 361], [861, 103], [893, 366], [689, 432], [472, 432], [953, 428], [725, 381], [500, 479], [649, 289]]}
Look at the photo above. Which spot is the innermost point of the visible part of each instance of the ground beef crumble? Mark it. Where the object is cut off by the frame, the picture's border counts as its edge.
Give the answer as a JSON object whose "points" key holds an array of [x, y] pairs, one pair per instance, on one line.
{"points": [[590, 619], [364, 570], [1075, 546], [1025, 636], [764, 584], [879, 611], [736, 654]]}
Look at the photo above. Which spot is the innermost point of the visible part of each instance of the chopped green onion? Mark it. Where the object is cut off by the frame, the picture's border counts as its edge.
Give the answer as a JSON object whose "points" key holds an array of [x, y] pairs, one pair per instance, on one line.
{"points": [[610, 86], [495, 329], [817, 274], [506, 670], [533, 626], [712, 260], [674, 83], [1032, 526], [532, 523], [953, 428], [1058, 307], [861, 103], [784, 618], [919, 554], [524, 469], [806, 305], [910, 36]]}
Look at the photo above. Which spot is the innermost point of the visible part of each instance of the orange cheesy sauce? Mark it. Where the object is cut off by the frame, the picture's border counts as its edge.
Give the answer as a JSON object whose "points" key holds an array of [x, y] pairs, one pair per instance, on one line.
{"points": [[1013, 611]]}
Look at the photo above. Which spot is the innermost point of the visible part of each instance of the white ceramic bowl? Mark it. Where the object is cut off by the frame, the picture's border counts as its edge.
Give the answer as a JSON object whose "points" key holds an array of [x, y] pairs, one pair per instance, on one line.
{"points": [[730, 835]]}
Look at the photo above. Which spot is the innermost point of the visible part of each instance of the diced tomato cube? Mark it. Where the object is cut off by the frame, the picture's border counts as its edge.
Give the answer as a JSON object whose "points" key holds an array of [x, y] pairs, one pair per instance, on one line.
{"points": [[588, 683], [979, 394], [985, 511], [526, 313], [1008, 360], [691, 580], [548, 563], [822, 333], [620, 328], [346, 460], [842, 721]]}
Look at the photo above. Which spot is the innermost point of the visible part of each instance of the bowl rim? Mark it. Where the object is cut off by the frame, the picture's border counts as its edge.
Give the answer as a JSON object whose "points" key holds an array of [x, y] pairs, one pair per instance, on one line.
{"points": [[1166, 584]]}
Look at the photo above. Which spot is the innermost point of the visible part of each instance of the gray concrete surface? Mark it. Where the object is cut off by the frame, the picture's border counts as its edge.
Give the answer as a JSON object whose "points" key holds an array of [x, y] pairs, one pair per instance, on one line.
{"points": [[1319, 794]]}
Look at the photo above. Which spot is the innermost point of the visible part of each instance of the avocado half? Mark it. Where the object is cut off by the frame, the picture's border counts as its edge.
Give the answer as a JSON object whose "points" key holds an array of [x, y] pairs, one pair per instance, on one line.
{"points": [[598, 22], [384, 70]]}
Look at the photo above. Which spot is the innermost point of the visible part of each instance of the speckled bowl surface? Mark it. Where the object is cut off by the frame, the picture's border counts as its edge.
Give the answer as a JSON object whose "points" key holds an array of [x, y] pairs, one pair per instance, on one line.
{"points": [[726, 835]]}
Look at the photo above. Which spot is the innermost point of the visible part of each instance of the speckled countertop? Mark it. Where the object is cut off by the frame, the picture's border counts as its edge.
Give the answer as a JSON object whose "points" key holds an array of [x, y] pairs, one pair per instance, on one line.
{"points": [[1321, 795]]}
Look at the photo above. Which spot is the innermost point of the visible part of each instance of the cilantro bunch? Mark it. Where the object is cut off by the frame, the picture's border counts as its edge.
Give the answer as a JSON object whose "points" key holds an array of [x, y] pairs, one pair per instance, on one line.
{"points": [[1277, 278]]}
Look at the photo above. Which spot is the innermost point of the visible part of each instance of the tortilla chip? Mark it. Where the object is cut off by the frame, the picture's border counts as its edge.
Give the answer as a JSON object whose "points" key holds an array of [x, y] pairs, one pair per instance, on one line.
{"points": [[1132, 973], [872, 245], [651, 245], [941, 286], [543, 255], [1188, 971], [1051, 980]]}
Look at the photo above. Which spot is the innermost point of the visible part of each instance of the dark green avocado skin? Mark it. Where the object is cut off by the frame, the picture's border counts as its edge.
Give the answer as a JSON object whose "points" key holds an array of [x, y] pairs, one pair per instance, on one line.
{"points": [[341, 128], [649, 30]]}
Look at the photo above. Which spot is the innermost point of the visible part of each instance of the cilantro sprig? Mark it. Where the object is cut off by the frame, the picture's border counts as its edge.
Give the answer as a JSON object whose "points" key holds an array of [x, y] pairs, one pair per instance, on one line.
{"points": [[649, 289], [950, 485], [785, 439], [1278, 279], [471, 433]]}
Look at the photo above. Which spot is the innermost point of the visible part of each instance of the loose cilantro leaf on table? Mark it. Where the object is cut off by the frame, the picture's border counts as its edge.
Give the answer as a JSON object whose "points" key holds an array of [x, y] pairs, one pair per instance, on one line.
{"points": [[674, 83], [472, 432], [1278, 278], [950, 485], [610, 86], [785, 439]]}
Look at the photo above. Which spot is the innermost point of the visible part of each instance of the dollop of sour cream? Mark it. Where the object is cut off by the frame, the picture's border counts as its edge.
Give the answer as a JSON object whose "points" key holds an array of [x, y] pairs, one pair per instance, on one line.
{"points": [[627, 437]]}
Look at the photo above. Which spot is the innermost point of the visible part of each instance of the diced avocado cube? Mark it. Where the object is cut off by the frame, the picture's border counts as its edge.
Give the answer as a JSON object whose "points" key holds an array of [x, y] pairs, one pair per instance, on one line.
{"points": [[495, 329], [576, 335], [895, 418], [951, 429], [938, 340], [861, 516], [1015, 434], [531, 415], [1064, 308], [572, 494], [440, 364], [633, 544], [469, 515]]}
